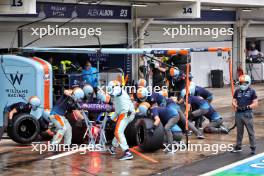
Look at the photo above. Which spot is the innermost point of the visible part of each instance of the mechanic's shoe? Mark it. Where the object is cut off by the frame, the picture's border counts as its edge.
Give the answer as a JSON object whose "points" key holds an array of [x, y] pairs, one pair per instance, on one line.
{"points": [[112, 150], [200, 136], [189, 132], [224, 130], [127, 156], [236, 149]]}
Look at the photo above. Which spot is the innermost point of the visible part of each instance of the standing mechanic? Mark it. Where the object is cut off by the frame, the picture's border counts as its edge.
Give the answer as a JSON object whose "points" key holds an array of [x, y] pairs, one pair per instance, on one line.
{"points": [[67, 102], [90, 75], [244, 100], [124, 114], [17, 108], [158, 70]]}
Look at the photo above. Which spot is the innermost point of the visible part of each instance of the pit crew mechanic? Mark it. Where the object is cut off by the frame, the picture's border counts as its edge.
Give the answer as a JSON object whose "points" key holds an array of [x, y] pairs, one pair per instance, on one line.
{"points": [[167, 117], [67, 102], [17, 108], [202, 108], [244, 100], [123, 115]]}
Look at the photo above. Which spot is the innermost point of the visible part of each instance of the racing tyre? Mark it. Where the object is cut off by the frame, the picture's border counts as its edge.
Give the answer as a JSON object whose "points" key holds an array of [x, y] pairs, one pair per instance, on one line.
{"points": [[131, 130], [24, 128], [146, 141]]}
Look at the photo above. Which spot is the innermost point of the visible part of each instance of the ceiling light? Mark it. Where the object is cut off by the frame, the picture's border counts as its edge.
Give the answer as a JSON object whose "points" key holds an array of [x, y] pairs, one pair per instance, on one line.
{"points": [[217, 9], [139, 5], [246, 10]]}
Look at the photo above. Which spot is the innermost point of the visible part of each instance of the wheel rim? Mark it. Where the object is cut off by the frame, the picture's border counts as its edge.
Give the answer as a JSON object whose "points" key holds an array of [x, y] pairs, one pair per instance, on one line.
{"points": [[26, 129]]}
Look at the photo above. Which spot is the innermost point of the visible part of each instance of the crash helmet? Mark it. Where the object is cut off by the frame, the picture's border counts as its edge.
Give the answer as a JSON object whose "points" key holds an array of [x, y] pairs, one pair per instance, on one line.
{"points": [[244, 82], [34, 101], [77, 94], [174, 72], [88, 90], [104, 97], [46, 113], [143, 108], [164, 93], [142, 93], [192, 88], [142, 83], [114, 88]]}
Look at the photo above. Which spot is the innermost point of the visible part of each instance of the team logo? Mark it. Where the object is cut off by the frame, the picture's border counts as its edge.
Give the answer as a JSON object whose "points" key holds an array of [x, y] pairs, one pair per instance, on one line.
{"points": [[16, 78]]}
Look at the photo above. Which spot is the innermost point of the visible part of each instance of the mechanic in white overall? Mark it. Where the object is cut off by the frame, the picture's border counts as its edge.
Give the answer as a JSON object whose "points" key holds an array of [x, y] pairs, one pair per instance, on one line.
{"points": [[124, 114]]}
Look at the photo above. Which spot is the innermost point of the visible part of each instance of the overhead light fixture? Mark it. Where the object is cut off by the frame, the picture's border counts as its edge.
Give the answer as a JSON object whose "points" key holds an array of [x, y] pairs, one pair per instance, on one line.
{"points": [[139, 5], [82, 2], [217, 9], [246, 10]]}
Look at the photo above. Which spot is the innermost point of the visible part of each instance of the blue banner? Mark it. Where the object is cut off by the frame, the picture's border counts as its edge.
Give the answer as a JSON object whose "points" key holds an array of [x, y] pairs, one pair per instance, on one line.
{"points": [[84, 11]]}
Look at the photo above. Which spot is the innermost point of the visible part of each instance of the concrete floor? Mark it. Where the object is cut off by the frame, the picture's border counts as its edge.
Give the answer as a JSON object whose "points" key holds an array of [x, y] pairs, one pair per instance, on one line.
{"points": [[20, 160]]}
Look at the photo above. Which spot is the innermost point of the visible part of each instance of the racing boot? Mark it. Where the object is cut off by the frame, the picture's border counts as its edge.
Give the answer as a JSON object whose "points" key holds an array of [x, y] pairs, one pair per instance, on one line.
{"points": [[112, 150], [127, 156]]}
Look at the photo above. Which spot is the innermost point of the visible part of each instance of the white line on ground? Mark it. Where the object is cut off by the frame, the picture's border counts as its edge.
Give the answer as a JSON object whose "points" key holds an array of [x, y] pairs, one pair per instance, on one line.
{"points": [[66, 154], [233, 165]]}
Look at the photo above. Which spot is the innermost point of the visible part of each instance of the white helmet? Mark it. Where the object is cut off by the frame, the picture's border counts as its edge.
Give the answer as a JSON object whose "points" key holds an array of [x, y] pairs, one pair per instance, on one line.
{"points": [[142, 83], [103, 97], [191, 90], [88, 90], [142, 93], [46, 114], [114, 88], [244, 82], [143, 108], [77, 94], [34, 101]]}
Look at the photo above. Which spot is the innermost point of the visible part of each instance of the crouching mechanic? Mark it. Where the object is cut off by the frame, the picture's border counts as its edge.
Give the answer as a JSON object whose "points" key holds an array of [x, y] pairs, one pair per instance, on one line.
{"points": [[67, 102], [201, 92], [124, 114], [17, 108], [167, 117], [244, 100], [202, 108]]}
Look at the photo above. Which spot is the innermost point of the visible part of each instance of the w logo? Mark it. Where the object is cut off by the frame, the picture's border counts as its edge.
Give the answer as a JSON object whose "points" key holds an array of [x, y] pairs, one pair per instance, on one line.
{"points": [[16, 78]]}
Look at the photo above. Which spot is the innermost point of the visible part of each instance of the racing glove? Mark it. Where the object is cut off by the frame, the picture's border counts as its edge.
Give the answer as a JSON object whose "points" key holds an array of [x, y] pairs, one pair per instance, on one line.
{"points": [[152, 130]]}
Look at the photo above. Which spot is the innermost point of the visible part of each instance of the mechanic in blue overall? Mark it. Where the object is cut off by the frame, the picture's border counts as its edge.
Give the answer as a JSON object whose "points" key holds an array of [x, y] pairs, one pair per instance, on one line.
{"points": [[201, 92], [202, 108], [171, 104], [90, 75], [167, 116], [17, 108], [123, 115], [244, 100], [66, 103]]}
